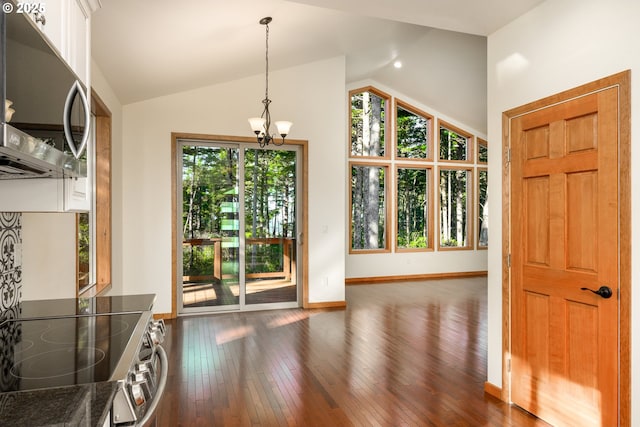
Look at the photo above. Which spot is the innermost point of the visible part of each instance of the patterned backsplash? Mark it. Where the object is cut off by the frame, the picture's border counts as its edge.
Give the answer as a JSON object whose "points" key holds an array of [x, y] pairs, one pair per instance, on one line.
{"points": [[10, 260]]}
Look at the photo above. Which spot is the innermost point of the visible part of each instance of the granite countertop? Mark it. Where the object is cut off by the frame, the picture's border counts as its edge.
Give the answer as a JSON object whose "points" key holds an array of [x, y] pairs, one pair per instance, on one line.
{"points": [[79, 306], [85, 405]]}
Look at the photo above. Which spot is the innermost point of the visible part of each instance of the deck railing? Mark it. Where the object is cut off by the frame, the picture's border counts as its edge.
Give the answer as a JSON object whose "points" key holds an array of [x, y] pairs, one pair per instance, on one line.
{"points": [[288, 258]]}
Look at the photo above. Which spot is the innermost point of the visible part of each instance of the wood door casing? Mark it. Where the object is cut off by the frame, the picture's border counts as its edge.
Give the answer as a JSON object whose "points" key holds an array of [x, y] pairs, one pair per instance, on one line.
{"points": [[564, 237], [103, 198]]}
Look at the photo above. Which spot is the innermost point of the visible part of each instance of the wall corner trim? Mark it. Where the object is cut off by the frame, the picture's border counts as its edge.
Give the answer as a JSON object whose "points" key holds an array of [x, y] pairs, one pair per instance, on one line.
{"points": [[493, 390], [326, 304], [412, 277]]}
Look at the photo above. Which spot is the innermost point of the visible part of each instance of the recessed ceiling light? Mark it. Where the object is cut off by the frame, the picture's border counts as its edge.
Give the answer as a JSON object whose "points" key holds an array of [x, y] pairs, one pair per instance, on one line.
{"points": [[397, 64]]}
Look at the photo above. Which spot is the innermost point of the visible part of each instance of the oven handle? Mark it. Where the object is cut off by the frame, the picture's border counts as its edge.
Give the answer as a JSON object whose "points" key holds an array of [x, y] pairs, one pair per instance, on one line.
{"points": [[164, 363]]}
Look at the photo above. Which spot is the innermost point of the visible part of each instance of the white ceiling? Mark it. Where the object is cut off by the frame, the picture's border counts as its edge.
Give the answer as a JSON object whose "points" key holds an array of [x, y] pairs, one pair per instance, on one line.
{"points": [[151, 48], [479, 17]]}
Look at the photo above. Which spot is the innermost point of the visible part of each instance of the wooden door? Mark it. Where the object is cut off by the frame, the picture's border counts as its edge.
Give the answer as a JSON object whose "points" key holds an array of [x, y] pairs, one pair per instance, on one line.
{"points": [[564, 237]]}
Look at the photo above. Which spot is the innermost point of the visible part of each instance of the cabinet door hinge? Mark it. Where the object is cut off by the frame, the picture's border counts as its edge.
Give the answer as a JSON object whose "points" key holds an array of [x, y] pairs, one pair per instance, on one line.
{"points": [[508, 155], [509, 365], [509, 261]]}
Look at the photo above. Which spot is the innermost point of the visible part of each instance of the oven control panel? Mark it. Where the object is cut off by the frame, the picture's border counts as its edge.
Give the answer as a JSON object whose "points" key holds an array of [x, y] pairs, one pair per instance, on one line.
{"points": [[139, 393]]}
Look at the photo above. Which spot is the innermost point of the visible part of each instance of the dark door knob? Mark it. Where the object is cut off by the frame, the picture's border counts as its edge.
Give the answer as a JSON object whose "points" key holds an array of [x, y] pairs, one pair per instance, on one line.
{"points": [[603, 291]]}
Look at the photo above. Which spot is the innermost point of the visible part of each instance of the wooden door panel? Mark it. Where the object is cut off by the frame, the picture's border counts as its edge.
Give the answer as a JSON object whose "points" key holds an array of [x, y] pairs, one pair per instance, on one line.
{"points": [[536, 143], [537, 221], [582, 226], [582, 325], [564, 238], [538, 324], [581, 133]]}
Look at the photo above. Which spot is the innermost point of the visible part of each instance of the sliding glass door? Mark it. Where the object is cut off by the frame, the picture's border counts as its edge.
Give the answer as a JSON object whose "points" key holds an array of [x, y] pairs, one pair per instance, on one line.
{"points": [[270, 228], [210, 226], [238, 219]]}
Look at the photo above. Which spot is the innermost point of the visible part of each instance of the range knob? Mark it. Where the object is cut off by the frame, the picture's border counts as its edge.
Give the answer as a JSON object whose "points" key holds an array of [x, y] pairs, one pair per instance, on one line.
{"points": [[157, 331], [156, 336], [145, 368], [158, 324], [137, 394], [147, 371]]}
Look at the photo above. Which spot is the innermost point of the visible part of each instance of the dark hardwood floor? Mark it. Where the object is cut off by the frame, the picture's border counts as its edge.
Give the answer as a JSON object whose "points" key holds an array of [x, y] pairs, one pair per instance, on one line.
{"points": [[404, 354]]}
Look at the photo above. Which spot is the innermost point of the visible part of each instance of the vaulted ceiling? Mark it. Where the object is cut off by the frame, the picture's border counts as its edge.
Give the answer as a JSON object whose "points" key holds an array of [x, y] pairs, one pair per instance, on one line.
{"points": [[152, 48]]}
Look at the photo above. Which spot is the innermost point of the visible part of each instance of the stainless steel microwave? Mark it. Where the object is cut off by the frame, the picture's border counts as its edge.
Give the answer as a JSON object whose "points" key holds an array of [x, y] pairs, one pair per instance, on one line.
{"points": [[45, 114]]}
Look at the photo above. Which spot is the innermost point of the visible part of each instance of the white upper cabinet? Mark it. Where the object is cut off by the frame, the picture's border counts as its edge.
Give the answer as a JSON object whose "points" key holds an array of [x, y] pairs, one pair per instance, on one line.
{"points": [[49, 18], [78, 36]]}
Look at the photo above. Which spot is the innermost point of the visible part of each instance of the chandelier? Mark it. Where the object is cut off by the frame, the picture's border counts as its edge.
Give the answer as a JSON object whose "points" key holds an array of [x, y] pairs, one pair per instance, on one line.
{"points": [[261, 125]]}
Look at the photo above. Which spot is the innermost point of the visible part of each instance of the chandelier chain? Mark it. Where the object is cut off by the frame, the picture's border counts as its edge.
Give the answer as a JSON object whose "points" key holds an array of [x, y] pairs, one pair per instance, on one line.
{"points": [[266, 60]]}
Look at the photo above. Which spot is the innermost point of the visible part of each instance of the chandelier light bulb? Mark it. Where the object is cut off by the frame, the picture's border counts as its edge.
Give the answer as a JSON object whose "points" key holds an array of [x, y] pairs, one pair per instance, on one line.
{"points": [[257, 124], [283, 128]]}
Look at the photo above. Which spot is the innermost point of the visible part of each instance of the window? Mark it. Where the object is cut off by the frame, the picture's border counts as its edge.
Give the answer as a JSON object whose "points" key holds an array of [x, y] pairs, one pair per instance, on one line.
{"points": [[368, 207], [86, 240], [431, 195], [413, 132], [85, 256], [412, 208], [368, 123], [483, 151], [483, 208], [454, 207], [455, 144]]}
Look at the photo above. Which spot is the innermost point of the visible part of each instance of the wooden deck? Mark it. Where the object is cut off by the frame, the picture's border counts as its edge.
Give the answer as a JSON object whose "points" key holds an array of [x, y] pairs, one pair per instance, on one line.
{"points": [[213, 293]]}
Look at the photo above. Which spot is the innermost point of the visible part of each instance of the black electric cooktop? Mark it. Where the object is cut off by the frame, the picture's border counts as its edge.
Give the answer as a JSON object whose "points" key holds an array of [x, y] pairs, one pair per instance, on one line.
{"points": [[55, 352]]}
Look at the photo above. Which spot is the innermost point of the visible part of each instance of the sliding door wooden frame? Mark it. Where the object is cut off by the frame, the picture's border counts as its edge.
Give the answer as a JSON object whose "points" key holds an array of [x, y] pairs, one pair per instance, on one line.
{"points": [[174, 208]]}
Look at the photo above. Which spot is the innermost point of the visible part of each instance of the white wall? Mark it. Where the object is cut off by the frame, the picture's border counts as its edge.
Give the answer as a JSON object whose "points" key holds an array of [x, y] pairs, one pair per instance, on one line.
{"points": [[559, 45], [413, 263], [426, 77], [48, 255], [311, 96]]}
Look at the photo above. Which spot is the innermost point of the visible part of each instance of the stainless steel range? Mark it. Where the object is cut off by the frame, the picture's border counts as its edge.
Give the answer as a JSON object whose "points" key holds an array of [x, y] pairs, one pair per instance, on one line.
{"points": [[45, 346]]}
